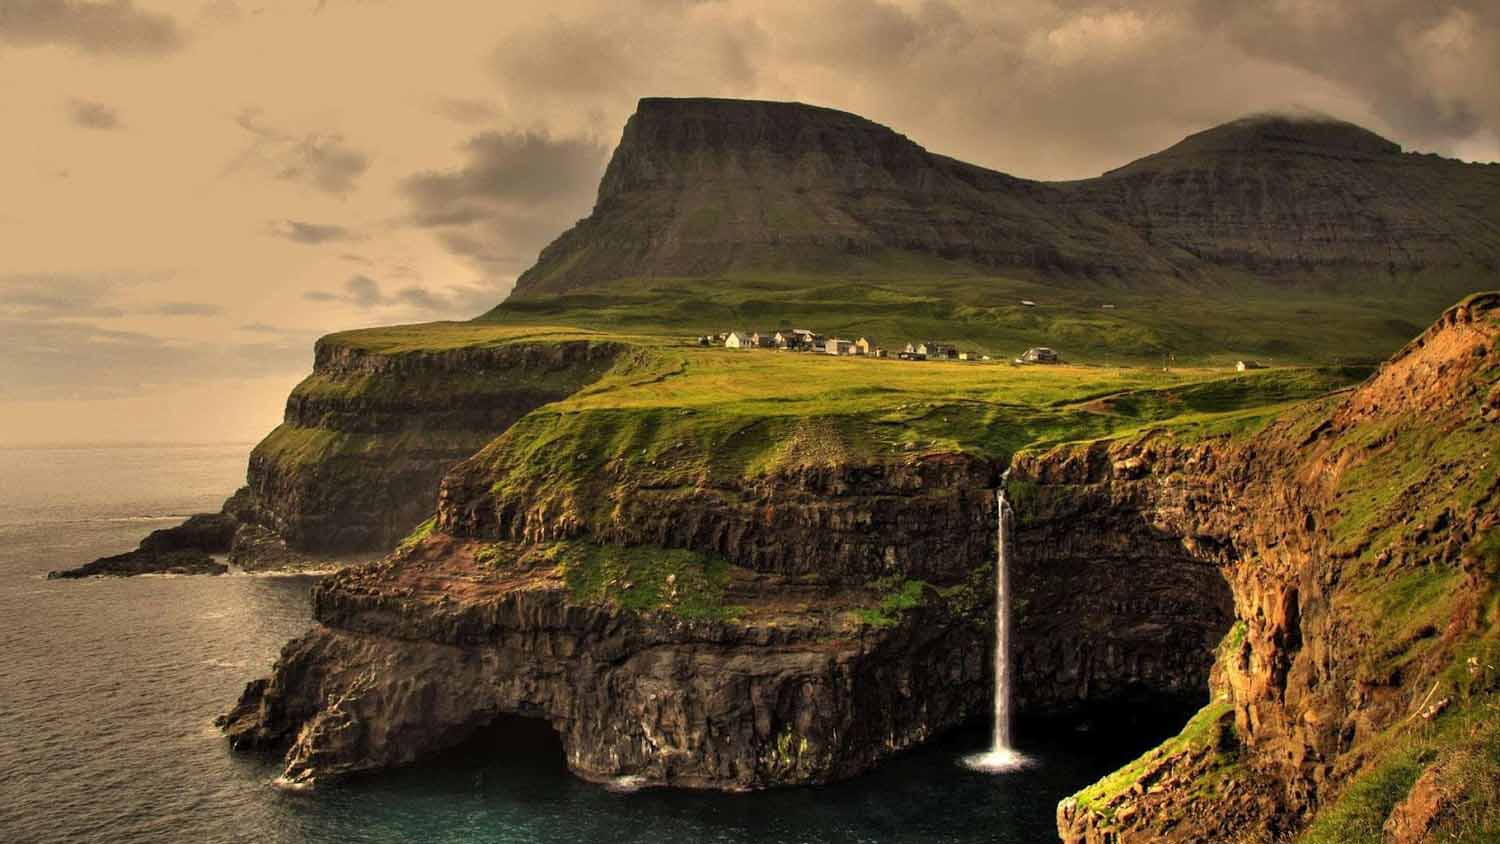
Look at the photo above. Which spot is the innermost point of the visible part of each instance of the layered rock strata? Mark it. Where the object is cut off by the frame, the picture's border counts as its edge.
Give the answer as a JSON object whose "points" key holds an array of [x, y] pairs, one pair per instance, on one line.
{"points": [[1346, 530]]}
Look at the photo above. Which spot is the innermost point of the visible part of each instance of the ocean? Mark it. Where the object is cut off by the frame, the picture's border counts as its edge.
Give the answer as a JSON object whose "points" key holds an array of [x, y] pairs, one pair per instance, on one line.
{"points": [[108, 690]]}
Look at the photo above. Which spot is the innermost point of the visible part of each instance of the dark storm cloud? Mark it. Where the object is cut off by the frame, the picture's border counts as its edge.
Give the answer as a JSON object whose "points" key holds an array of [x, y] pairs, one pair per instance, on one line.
{"points": [[324, 161], [88, 114], [366, 293], [309, 233], [512, 194], [109, 28]]}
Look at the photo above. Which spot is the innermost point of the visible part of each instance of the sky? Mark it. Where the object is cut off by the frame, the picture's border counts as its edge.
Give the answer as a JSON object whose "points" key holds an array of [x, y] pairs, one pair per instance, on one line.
{"points": [[192, 192]]}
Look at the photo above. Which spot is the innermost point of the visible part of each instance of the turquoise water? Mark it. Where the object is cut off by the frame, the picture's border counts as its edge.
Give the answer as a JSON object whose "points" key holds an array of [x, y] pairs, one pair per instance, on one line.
{"points": [[108, 689]]}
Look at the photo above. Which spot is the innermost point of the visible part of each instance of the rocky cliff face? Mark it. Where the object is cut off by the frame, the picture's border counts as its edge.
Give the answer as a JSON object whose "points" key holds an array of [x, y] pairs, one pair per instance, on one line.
{"points": [[763, 669], [1351, 533], [415, 656], [1330, 576], [366, 439], [703, 187], [854, 618], [368, 436]]}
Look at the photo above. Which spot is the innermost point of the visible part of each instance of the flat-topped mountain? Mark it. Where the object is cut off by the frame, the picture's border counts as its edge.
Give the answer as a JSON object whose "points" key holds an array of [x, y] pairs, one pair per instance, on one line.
{"points": [[701, 188]]}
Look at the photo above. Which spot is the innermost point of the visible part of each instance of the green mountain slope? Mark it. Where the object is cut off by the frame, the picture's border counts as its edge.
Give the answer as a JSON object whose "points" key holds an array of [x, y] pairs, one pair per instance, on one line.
{"points": [[1300, 240]]}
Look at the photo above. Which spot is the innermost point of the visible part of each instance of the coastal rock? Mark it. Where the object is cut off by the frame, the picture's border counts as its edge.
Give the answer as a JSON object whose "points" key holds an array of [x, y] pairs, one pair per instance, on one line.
{"points": [[417, 653], [184, 549], [862, 623]]}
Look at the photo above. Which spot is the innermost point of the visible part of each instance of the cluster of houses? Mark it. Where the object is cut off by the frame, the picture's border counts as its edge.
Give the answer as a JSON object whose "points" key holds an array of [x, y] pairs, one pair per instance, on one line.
{"points": [[803, 340]]}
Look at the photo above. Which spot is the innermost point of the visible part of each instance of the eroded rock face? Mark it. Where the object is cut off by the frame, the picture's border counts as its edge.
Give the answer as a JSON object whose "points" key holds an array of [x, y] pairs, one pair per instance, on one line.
{"points": [[1316, 673], [366, 439], [930, 517], [417, 653], [412, 655], [1111, 601], [368, 436]]}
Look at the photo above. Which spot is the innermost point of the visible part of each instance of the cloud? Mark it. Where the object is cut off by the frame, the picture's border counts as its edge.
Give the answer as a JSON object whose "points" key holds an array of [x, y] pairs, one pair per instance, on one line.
{"points": [[115, 28], [1040, 88], [1426, 67], [187, 309], [309, 233], [88, 114], [464, 110], [53, 296], [513, 193], [80, 360], [320, 160], [365, 293]]}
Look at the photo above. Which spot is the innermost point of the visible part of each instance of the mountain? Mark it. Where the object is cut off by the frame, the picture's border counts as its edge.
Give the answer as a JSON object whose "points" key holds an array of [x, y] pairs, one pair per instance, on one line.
{"points": [[709, 188]]}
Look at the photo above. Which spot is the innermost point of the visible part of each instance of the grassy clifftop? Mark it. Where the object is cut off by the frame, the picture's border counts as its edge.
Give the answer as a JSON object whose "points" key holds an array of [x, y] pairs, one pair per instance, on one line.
{"points": [[1240, 318]]}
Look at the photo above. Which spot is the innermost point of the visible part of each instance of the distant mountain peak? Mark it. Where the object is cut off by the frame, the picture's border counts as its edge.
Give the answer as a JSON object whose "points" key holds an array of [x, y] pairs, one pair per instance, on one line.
{"points": [[710, 188], [1296, 132]]}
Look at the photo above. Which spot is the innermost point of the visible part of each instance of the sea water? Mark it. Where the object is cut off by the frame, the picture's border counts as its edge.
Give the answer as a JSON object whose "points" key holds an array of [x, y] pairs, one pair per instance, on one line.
{"points": [[108, 690]]}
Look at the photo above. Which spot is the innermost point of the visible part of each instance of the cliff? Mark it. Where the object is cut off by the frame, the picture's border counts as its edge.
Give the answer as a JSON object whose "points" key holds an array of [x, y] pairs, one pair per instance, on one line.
{"points": [[734, 660], [1358, 537], [369, 434], [704, 188], [1326, 576]]}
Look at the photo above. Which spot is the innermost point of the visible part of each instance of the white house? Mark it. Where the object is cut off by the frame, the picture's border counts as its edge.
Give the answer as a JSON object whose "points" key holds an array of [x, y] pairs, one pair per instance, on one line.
{"points": [[737, 340], [1040, 354]]}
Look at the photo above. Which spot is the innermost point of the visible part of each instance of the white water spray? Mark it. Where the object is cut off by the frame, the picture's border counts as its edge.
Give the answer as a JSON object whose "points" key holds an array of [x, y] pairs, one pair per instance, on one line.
{"points": [[1001, 756]]}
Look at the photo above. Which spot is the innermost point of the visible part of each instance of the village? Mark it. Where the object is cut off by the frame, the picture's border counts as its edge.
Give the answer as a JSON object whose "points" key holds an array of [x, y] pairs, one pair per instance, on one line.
{"points": [[804, 340]]}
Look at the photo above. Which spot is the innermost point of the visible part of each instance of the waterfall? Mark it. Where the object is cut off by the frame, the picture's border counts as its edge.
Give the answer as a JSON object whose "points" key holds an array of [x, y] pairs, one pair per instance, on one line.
{"points": [[1001, 756]]}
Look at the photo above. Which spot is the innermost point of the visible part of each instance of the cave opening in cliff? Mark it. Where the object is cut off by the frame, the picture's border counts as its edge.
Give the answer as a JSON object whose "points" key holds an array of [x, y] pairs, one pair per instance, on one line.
{"points": [[1118, 619], [518, 745]]}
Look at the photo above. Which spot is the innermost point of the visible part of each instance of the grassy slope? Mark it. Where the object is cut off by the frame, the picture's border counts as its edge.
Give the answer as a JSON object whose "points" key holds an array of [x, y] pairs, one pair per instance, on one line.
{"points": [[984, 313]]}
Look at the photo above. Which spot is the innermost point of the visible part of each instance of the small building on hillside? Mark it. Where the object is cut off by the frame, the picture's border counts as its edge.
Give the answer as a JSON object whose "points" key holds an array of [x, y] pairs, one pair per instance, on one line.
{"points": [[864, 346], [1248, 364], [737, 340], [966, 356], [1027, 303], [763, 340], [1039, 354], [937, 351], [835, 346], [789, 339]]}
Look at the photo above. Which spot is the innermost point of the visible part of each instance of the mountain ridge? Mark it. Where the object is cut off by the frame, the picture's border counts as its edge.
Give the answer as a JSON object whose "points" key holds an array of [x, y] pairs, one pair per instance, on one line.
{"points": [[716, 188]]}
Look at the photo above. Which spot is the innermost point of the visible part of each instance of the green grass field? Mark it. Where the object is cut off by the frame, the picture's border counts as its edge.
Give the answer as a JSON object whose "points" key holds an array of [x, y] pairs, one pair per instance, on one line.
{"points": [[1244, 318]]}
